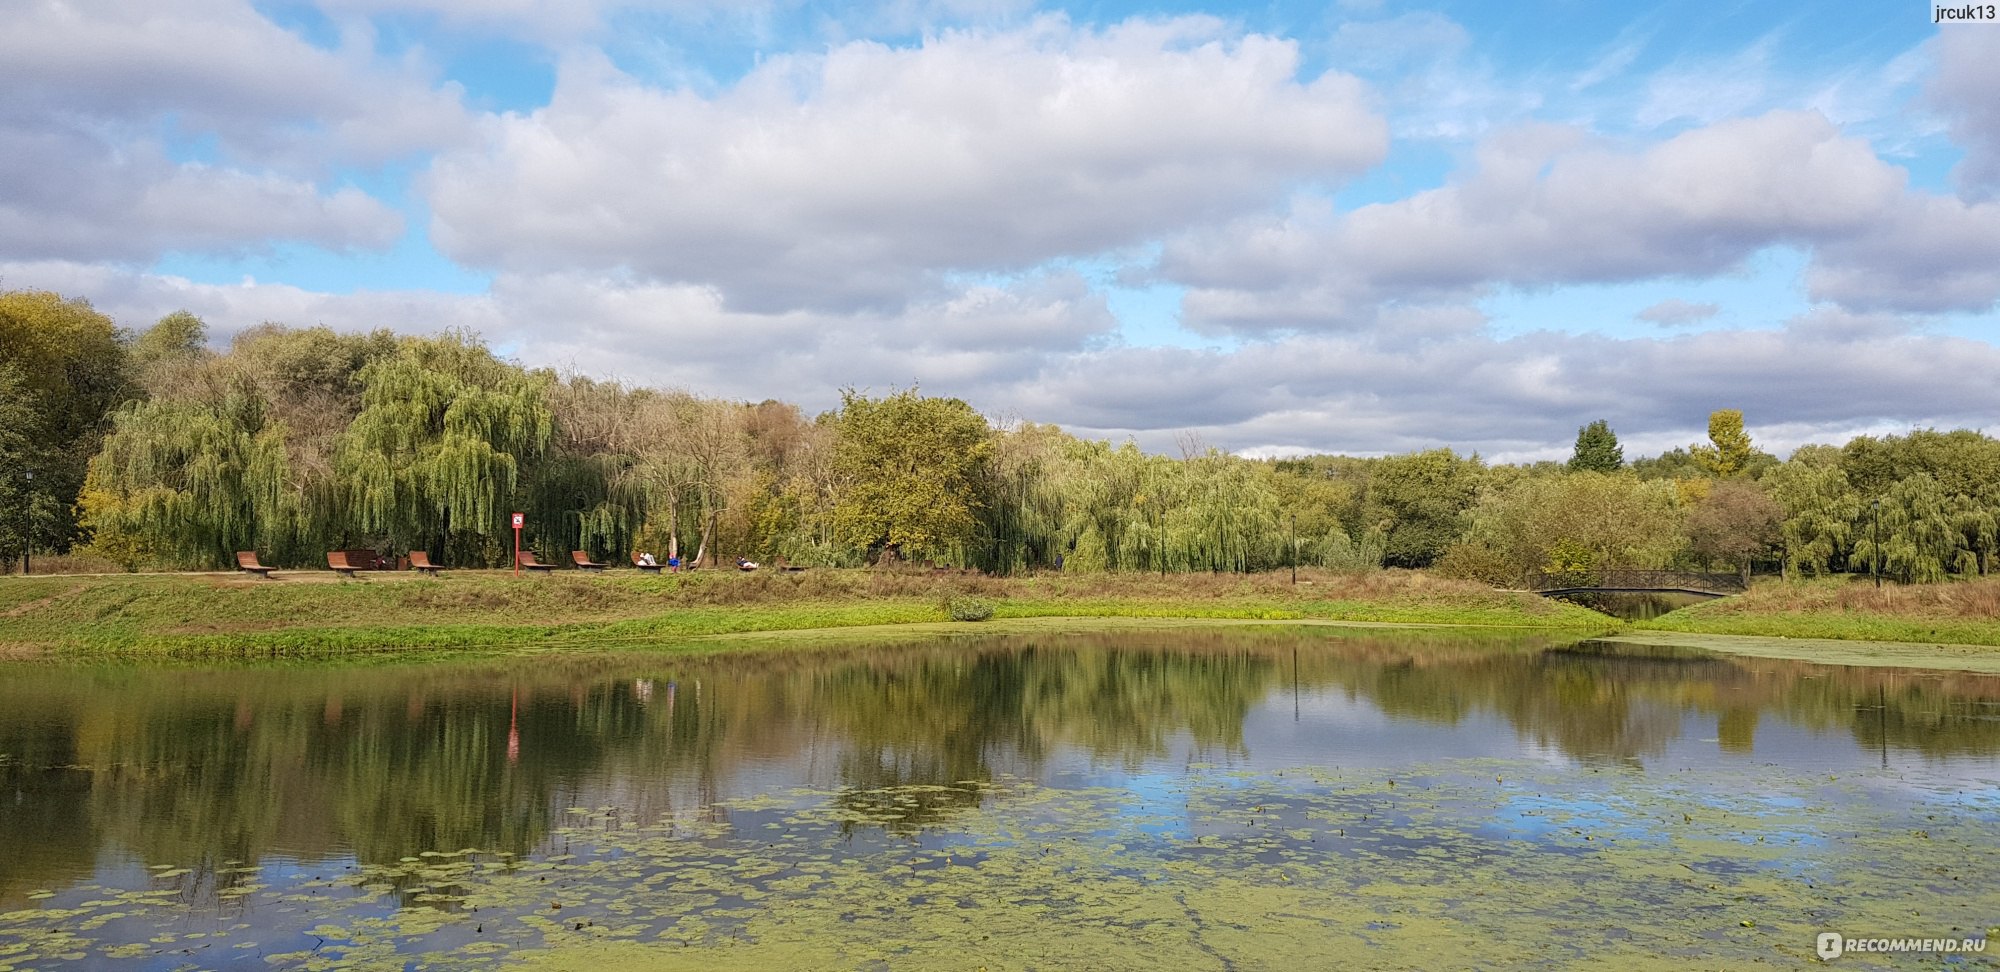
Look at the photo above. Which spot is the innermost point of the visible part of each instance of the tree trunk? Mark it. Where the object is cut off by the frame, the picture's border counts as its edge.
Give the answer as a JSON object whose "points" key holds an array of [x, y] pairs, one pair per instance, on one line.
{"points": [[673, 529]]}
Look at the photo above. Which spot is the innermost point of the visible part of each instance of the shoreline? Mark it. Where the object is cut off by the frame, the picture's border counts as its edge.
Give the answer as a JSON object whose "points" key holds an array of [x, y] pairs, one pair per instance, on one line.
{"points": [[225, 618]]}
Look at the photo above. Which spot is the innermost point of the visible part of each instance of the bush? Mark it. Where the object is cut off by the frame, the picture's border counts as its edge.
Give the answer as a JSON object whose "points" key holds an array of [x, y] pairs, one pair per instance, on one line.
{"points": [[1468, 561], [964, 608]]}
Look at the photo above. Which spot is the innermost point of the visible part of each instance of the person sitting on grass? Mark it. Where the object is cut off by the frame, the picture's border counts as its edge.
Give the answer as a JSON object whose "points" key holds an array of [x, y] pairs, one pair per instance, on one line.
{"points": [[742, 564]]}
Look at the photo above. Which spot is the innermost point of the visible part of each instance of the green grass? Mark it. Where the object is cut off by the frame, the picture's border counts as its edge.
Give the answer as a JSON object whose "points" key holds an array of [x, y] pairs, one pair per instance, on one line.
{"points": [[1956, 613], [230, 616], [309, 615]]}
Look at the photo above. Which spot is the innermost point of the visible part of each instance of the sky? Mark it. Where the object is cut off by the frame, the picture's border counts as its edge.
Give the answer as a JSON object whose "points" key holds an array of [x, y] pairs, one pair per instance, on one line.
{"points": [[1362, 226]]}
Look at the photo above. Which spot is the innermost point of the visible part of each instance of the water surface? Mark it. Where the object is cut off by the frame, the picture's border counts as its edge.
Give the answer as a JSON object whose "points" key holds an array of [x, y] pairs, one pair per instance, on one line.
{"points": [[1207, 798]]}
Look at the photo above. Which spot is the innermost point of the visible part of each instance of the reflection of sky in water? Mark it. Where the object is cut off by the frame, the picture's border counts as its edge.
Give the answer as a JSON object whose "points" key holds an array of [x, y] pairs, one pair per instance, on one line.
{"points": [[1350, 750]]}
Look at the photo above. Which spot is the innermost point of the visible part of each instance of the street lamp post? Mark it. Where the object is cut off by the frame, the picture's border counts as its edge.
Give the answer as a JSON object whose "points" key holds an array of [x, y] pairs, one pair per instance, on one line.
{"points": [[1295, 547], [28, 525], [1875, 562]]}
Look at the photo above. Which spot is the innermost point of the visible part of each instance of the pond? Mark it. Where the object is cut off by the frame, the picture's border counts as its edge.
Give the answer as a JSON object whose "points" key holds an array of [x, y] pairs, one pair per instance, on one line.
{"points": [[1192, 797]]}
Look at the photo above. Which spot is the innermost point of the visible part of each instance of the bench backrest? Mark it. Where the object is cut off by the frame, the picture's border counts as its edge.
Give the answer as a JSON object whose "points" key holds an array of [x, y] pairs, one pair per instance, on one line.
{"points": [[420, 559], [581, 558], [248, 558], [528, 559], [339, 560]]}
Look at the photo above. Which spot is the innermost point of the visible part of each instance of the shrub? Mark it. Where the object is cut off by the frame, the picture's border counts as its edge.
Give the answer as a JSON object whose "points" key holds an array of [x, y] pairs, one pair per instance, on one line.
{"points": [[964, 608]]}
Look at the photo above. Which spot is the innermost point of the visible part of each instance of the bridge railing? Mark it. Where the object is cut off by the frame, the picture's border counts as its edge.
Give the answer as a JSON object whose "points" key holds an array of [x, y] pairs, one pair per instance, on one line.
{"points": [[1637, 580]]}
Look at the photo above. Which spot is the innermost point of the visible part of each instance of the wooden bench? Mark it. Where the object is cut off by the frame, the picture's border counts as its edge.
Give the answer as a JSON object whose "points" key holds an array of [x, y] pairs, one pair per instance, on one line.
{"points": [[781, 563], [421, 560], [348, 561], [530, 562], [583, 561], [246, 561], [648, 568]]}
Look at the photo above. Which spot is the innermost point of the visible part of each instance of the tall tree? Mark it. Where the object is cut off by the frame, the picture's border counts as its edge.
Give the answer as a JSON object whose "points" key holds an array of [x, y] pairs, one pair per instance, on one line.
{"points": [[1820, 509], [912, 467], [1729, 450], [1597, 449], [437, 450]]}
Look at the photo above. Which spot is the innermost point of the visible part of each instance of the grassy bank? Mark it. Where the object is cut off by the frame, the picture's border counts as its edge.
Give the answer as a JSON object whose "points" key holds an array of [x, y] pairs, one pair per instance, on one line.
{"points": [[308, 614], [1958, 613]]}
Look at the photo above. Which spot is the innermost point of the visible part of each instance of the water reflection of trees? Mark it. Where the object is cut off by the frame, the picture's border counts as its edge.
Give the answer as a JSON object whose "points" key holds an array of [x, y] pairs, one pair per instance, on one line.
{"points": [[201, 769]]}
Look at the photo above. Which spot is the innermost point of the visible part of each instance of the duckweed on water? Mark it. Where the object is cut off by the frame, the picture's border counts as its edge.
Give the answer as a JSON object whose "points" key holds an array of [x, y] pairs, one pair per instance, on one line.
{"points": [[1456, 864]]}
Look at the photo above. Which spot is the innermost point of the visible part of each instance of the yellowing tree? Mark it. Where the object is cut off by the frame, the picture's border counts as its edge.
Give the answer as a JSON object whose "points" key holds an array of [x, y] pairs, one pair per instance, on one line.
{"points": [[1729, 450]]}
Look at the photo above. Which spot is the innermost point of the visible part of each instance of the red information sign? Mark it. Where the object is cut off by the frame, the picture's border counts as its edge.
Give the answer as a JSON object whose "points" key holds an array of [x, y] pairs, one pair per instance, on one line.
{"points": [[520, 519]]}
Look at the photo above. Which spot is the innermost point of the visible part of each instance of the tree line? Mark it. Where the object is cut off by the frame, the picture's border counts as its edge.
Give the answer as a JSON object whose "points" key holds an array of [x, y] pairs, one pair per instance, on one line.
{"points": [[153, 450]]}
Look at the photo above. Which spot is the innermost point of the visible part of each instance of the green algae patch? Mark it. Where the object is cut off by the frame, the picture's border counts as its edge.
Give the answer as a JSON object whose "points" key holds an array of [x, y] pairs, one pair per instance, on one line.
{"points": [[1826, 651], [1455, 864]]}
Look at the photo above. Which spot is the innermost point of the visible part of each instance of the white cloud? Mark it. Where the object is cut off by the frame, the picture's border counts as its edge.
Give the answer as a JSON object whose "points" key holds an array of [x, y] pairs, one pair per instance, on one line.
{"points": [[219, 67], [853, 178], [66, 195], [1550, 205], [1967, 87], [1039, 350], [132, 129]]}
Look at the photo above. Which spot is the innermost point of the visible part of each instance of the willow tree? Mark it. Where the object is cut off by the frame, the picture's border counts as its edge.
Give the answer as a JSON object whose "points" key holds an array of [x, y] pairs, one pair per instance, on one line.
{"points": [[435, 456], [1820, 507], [912, 467], [1915, 534], [1020, 525], [189, 483]]}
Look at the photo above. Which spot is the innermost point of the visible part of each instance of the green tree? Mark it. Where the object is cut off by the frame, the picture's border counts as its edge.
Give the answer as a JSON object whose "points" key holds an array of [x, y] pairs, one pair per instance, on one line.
{"points": [[190, 482], [1671, 464], [160, 352], [1820, 508], [1921, 538], [1597, 449], [1417, 504], [433, 458], [911, 467], [17, 420], [70, 372], [1729, 451], [1575, 521]]}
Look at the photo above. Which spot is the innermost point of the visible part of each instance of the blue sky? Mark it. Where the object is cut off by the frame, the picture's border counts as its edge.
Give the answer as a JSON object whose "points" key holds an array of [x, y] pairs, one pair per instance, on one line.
{"points": [[1350, 226]]}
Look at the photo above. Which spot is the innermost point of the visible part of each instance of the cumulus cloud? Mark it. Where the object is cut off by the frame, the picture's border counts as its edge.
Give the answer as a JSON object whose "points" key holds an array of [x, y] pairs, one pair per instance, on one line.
{"points": [[131, 130], [1509, 398], [1675, 312], [1552, 205], [220, 68], [66, 195], [853, 178], [1967, 88]]}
